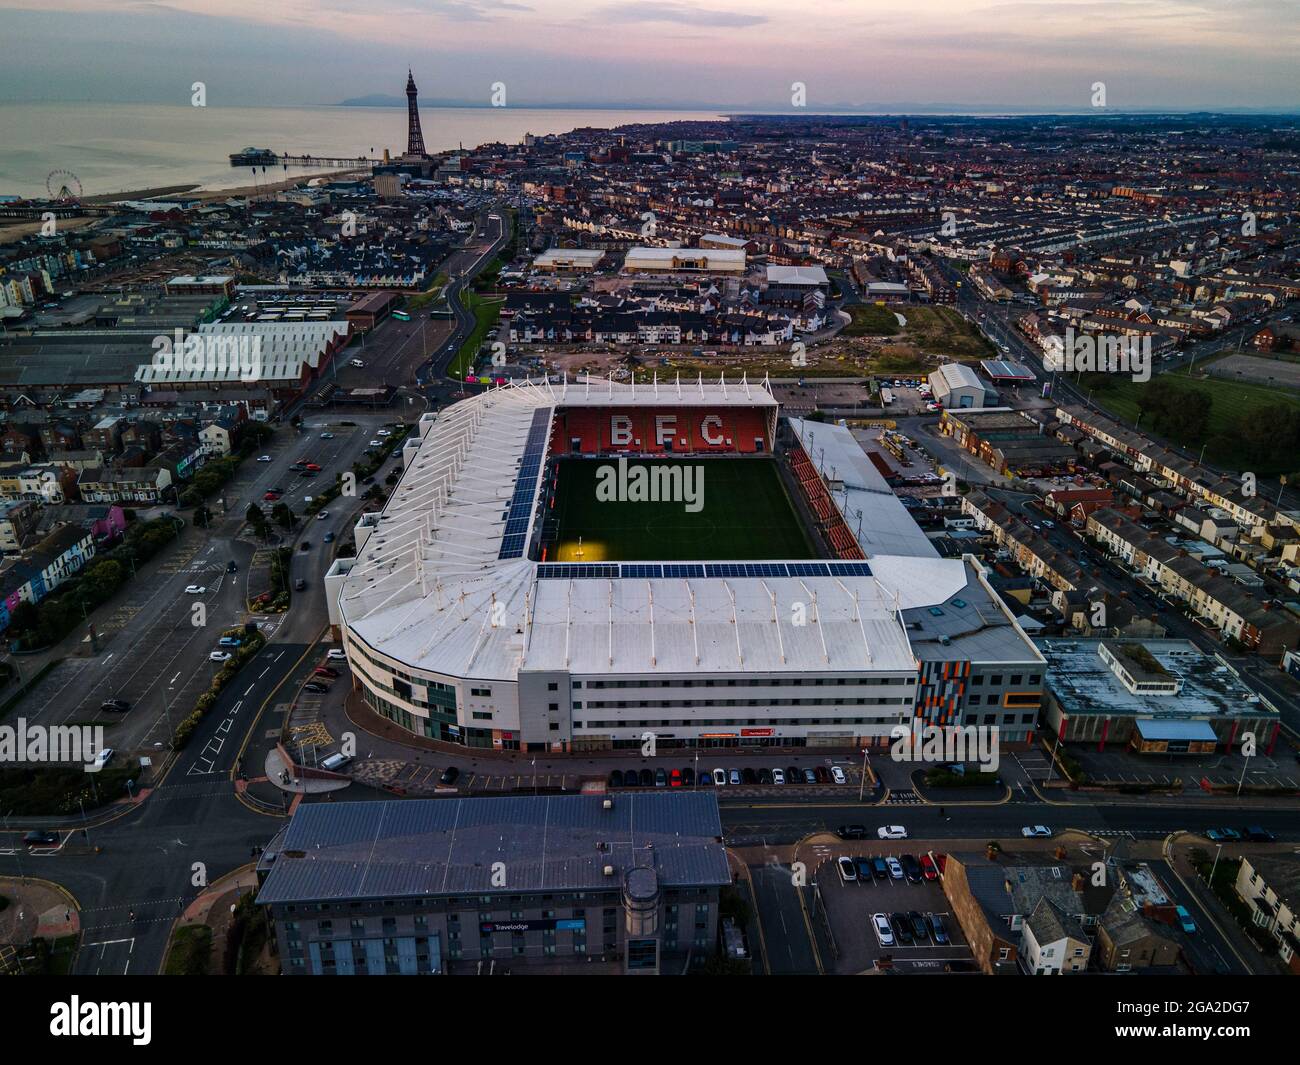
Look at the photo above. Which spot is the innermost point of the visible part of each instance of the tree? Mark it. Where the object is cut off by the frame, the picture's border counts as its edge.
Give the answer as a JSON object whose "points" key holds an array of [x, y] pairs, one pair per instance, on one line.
{"points": [[283, 516], [191, 497], [24, 617]]}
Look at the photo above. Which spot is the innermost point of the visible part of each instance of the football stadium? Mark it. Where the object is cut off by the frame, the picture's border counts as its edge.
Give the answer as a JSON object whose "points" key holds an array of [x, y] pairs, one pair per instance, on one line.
{"points": [[566, 566]]}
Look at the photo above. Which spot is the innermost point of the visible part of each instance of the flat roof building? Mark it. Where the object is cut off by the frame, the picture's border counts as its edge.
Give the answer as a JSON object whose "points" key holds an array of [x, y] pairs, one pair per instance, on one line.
{"points": [[621, 883], [642, 260]]}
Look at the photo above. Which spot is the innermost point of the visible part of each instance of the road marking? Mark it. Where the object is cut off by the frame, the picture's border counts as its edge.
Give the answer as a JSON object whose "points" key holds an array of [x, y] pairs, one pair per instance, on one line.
{"points": [[251, 687], [264, 673]]}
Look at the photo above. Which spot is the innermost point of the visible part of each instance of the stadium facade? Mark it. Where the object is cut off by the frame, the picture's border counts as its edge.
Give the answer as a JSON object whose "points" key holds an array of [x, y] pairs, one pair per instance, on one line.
{"points": [[458, 629]]}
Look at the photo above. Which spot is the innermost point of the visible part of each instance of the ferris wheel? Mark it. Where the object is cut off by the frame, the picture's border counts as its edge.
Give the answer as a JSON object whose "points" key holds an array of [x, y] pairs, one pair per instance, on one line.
{"points": [[63, 185]]}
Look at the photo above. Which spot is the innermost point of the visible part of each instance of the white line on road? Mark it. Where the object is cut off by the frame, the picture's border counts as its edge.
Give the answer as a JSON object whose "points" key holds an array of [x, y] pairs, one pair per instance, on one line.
{"points": [[251, 687]]}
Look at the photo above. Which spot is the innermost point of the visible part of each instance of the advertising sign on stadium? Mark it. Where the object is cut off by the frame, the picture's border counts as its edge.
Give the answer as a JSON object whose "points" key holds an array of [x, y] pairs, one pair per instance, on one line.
{"points": [[758, 732]]}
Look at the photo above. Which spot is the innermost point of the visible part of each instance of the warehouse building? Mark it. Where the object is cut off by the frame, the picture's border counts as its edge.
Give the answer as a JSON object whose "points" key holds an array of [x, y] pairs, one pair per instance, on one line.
{"points": [[643, 260], [955, 384], [556, 883]]}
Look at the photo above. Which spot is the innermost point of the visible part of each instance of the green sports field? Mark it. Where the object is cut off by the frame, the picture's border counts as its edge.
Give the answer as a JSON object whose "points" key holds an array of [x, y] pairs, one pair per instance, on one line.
{"points": [[744, 513]]}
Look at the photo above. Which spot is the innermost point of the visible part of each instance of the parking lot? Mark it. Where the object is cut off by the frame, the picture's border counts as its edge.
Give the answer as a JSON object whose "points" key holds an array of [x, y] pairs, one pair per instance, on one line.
{"points": [[1121, 766], [843, 911]]}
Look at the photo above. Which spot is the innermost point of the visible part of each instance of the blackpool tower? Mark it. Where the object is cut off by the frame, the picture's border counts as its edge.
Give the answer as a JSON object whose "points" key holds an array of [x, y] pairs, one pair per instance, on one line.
{"points": [[414, 138]]}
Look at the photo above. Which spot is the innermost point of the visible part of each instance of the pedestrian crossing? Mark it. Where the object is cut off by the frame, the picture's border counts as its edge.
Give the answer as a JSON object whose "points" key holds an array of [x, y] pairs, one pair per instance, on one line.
{"points": [[904, 797]]}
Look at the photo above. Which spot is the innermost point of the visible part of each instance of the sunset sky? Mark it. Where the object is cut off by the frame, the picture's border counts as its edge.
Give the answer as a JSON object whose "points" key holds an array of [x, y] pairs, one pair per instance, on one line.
{"points": [[1168, 54]]}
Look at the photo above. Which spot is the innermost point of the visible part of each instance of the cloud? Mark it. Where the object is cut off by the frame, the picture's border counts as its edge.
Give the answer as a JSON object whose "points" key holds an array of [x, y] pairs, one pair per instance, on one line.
{"points": [[649, 11]]}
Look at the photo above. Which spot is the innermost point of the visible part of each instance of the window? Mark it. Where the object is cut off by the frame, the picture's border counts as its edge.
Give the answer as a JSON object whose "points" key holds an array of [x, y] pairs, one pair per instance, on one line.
{"points": [[552, 686]]}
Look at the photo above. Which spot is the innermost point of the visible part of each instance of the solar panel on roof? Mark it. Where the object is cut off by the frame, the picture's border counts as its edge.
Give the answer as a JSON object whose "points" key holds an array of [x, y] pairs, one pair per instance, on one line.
{"points": [[515, 538]]}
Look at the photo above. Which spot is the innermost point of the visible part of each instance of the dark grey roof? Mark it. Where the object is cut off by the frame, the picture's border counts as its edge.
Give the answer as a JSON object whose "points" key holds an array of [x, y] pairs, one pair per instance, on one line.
{"points": [[395, 849]]}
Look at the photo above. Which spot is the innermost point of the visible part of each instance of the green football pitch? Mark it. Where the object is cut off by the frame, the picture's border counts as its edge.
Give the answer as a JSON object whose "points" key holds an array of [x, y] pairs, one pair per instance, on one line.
{"points": [[744, 513]]}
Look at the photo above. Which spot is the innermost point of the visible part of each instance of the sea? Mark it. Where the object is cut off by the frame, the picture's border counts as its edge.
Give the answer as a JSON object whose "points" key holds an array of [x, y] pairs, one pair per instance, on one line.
{"points": [[105, 148]]}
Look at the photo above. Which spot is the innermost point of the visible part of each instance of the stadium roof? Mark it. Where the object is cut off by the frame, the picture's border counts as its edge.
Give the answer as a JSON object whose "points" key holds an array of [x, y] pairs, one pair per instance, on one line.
{"points": [[395, 849], [873, 513]]}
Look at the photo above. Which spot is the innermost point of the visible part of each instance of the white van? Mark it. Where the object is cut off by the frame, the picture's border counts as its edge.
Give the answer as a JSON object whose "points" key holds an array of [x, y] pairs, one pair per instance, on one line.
{"points": [[335, 762]]}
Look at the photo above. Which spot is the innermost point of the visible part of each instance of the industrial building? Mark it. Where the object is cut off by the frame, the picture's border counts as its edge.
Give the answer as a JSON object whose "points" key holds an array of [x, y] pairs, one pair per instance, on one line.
{"points": [[1152, 696], [643, 260], [553, 883], [954, 384]]}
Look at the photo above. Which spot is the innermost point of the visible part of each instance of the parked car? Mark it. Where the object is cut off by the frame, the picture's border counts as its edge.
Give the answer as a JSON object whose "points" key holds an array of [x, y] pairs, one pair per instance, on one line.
{"points": [[919, 928], [449, 775], [336, 653], [928, 868], [809, 777], [837, 775], [316, 687], [646, 778], [852, 831], [848, 869], [911, 867], [938, 932], [305, 546], [902, 929], [335, 762], [230, 641], [1185, 920], [661, 779], [688, 777], [883, 932], [748, 776], [115, 706], [864, 870], [879, 869], [765, 775], [778, 775], [220, 656], [734, 777], [792, 775], [616, 778], [1035, 831], [891, 832], [895, 868], [1222, 835], [325, 671], [675, 778], [1259, 835], [719, 777], [705, 778], [822, 774]]}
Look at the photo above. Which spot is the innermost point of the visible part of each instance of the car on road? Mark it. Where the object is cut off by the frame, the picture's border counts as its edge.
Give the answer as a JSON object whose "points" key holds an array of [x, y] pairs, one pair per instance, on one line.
{"points": [[778, 775], [1185, 920], [194, 589], [115, 706], [848, 869], [305, 546], [883, 932], [895, 868], [297, 467], [104, 757], [40, 837], [327, 436], [316, 687], [336, 654], [891, 832], [938, 931], [230, 641], [311, 466], [270, 497], [220, 656], [384, 432], [321, 515], [1048, 524], [911, 867], [928, 869], [1036, 832], [919, 928], [300, 585], [375, 443], [232, 566], [852, 831], [328, 538], [263, 458], [1222, 835], [837, 775], [449, 775], [902, 928]]}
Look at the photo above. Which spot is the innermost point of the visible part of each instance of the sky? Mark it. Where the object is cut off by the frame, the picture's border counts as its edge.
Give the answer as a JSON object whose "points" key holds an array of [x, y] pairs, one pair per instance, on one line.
{"points": [[716, 54]]}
